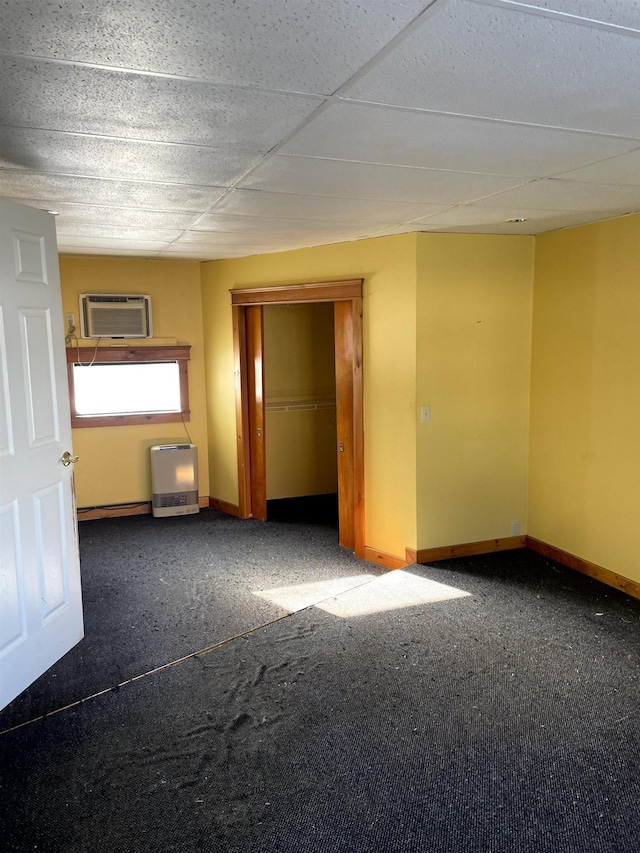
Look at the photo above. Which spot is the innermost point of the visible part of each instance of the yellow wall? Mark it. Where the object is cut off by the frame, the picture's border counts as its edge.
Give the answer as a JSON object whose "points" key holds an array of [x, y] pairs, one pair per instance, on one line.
{"points": [[300, 394], [447, 323], [585, 402], [388, 268], [114, 461], [473, 357]]}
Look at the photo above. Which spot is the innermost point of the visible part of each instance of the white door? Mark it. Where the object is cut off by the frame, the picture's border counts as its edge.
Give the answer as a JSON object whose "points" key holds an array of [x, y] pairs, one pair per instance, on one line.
{"points": [[40, 598]]}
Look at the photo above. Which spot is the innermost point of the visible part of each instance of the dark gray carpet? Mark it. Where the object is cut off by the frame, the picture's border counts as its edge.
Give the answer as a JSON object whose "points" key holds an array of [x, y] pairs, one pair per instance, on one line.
{"points": [[156, 589], [505, 720]]}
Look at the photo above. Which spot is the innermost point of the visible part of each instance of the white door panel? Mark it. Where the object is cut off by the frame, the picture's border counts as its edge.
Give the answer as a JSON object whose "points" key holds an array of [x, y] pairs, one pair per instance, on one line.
{"points": [[40, 596], [6, 431]]}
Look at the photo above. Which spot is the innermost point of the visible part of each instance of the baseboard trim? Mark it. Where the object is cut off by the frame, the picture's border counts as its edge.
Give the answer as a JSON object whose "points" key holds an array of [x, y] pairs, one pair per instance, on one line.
{"points": [[466, 549], [97, 512], [227, 508], [381, 558], [119, 510], [586, 567]]}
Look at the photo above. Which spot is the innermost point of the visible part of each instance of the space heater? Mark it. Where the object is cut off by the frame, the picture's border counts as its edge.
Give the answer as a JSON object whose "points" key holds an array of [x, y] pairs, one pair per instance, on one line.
{"points": [[174, 479]]}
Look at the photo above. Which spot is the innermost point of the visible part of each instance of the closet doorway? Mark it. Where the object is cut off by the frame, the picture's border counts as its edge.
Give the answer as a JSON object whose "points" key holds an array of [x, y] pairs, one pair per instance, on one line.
{"points": [[248, 331]]}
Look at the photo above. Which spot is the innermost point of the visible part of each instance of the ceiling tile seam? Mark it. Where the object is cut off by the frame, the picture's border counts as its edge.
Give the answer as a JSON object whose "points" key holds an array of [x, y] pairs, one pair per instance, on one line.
{"points": [[152, 182], [424, 219], [401, 165], [527, 211], [144, 141], [163, 75], [71, 240], [71, 216], [143, 181], [426, 12], [317, 220], [99, 207], [509, 190], [318, 111], [133, 230], [470, 117], [429, 10], [522, 178], [321, 108], [554, 14], [375, 199], [153, 255], [595, 163], [265, 156], [390, 45]]}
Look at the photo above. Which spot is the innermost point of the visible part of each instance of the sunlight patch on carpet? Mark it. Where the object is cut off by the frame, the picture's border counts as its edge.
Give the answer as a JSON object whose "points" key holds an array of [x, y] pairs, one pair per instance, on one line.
{"points": [[299, 596], [363, 594]]}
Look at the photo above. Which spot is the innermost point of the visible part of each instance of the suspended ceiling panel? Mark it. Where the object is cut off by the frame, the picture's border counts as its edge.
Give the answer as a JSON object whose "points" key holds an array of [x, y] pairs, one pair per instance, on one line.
{"points": [[207, 130], [539, 70]]}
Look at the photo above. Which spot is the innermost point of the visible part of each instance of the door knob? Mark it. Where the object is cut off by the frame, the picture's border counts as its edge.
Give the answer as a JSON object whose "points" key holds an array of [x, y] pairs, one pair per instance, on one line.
{"points": [[341, 447], [67, 459]]}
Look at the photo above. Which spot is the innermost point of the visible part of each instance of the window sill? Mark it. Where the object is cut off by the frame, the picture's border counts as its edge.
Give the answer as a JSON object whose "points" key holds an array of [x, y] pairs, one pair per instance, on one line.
{"points": [[80, 421]]}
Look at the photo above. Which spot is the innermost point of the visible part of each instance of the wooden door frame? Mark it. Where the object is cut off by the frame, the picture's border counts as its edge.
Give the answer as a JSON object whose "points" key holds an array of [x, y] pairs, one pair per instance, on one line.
{"points": [[351, 356]]}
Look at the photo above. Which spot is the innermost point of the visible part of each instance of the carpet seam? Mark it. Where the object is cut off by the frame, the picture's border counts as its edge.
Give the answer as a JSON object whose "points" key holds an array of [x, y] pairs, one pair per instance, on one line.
{"points": [[177, 661]]}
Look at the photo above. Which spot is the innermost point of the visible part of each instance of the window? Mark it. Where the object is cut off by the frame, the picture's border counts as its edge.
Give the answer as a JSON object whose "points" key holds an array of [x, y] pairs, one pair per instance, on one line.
{"points": [[120, 386]]}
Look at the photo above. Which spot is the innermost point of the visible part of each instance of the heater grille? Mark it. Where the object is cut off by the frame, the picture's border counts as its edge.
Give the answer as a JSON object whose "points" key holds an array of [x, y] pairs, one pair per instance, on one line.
{"points": [[178, 499], [174, 477]]}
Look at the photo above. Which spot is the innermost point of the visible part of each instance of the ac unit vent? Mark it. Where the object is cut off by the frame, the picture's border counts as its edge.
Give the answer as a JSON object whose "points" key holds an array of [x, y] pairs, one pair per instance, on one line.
{"points": [[114, 315]]}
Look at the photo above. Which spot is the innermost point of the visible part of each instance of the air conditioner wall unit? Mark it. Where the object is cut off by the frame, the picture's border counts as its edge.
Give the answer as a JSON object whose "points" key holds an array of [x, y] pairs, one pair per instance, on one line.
{"points": [[174, 479], [115, 315]]}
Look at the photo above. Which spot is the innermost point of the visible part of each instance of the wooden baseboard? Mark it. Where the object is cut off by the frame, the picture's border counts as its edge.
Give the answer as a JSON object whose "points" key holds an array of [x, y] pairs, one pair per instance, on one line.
{"points": [[227, 508], [116, 511], [380, 558], [466, 549], [586, 567], [92, 513]]}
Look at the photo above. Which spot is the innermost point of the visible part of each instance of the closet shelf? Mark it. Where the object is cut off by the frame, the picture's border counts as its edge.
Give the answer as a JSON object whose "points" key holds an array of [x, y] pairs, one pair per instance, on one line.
{"points": [[298, 405]]}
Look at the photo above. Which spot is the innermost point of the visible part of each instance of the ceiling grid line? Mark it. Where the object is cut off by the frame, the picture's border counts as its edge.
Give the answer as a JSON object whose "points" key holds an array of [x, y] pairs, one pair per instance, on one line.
{"points": [[251, 128]]}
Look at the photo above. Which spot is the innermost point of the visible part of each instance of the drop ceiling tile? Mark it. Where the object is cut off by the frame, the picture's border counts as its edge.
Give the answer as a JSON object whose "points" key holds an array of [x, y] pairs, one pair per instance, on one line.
{"points": [[222, 238], [621, 14], [191, 252], [121, 217], [342, 178], [103, 251], [115, 232], [479, 219], [92, 244], [305, 45], [89, 156], [374, 134], [266, 240], [288, 206], [55, 189], [214, 222], [512, 66], [80, 99], [552, 194], [624, 169]]}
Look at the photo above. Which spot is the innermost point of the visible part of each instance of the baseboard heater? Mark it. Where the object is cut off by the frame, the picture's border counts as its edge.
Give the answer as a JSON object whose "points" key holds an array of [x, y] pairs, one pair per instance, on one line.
{"points": [[174, 479]]}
